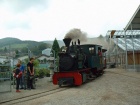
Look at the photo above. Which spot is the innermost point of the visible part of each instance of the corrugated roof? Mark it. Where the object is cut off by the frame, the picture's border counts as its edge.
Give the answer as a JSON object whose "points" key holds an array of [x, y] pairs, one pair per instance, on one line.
{"points": [[122, 33], [134, 21], [129, 43], [132, 37]]}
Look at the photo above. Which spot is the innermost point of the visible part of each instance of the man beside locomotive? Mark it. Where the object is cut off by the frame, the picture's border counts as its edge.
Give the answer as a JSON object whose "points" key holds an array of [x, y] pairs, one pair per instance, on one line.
{"points": [[99, 53], [30, 72], [100, 56]]}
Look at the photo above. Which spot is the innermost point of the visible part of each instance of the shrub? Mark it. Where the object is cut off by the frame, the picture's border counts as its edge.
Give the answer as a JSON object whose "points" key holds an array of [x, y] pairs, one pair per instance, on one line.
{"points": [[47, 73], [36, 72], [42, 72]]}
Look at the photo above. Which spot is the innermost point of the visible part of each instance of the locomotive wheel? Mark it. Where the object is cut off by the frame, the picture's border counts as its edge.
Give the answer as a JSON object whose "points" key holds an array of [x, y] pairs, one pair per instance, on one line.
{"points": [[60, 85], [97, 74], [102, 72]]}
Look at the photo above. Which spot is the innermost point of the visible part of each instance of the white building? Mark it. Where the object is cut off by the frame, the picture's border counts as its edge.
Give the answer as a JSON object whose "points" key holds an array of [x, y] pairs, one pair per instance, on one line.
{"points": [[23, 58], [46, 52], [3, 59]]}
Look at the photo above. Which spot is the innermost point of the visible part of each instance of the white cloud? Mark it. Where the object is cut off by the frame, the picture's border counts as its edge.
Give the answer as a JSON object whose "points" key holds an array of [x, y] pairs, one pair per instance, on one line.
{"points": [[94, 17], [18, 6]]}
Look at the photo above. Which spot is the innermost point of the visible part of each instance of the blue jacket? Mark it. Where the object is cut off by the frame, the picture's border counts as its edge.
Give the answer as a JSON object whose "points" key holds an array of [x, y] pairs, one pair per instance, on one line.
{"points": [[22, 68]]}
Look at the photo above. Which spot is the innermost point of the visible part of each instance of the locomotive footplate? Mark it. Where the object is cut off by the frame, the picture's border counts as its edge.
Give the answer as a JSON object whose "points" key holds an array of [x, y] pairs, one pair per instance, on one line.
{"points": [[66, 81]]}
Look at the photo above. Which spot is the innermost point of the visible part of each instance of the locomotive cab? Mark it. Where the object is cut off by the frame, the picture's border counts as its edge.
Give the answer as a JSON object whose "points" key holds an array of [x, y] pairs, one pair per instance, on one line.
{"points": [[91, 51]]}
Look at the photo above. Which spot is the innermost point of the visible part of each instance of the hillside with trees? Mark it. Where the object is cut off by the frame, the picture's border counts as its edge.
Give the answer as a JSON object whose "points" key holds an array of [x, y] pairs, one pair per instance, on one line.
{"points": [[19, 46]]}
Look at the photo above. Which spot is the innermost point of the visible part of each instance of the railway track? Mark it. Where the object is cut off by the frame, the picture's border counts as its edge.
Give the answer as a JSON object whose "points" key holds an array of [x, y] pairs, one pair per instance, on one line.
{"points": [[33, 96], [123, 74]]}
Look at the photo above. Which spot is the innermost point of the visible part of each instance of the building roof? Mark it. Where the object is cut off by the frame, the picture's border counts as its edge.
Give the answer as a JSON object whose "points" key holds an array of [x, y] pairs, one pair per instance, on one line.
{"points": [[131, 31], [91, 45], [135, 21], [23, 57], [122, 33], [132, 37], [48, 49], [45, 56], [42, 55], [121, 43]]}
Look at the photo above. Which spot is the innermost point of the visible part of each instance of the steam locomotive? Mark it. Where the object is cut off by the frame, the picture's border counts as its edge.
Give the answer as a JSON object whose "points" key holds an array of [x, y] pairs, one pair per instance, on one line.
{"points": [[79, 63]]}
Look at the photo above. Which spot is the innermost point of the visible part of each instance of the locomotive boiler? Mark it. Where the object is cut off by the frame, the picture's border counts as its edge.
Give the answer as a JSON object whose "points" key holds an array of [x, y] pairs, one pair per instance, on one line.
{"points": [[79, 63], [73, 58]]}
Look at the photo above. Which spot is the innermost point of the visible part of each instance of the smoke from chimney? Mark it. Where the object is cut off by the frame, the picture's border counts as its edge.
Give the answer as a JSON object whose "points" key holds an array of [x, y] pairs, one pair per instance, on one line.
{"points": [[76, 34]]}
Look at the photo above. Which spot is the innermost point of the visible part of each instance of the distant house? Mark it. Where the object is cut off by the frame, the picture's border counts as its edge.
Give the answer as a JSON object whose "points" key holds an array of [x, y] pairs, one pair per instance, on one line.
{"points": [[23, 58], [4, 60], [46, 52], [15, 60], [44, 60]]}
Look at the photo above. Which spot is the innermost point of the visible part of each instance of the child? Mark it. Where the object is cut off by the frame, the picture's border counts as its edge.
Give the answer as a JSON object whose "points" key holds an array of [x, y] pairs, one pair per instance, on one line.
{"points": [[18, 74]]}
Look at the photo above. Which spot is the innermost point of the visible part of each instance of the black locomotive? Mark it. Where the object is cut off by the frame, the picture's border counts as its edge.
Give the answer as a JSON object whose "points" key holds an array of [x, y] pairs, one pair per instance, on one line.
{"points": [[79, 63]]}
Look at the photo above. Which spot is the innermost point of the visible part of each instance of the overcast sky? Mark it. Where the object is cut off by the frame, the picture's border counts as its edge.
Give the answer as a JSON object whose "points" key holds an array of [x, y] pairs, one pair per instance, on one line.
{"points": [[49, 19]]}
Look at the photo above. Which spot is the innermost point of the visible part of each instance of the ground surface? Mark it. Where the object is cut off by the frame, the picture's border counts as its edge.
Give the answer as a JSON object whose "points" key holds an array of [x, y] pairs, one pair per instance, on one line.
{"points": [[115, 87]]}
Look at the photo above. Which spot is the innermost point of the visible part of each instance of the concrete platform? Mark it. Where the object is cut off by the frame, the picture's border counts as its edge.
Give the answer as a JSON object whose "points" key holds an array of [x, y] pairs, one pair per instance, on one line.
{"points": [[41, 85], [115, 87]]}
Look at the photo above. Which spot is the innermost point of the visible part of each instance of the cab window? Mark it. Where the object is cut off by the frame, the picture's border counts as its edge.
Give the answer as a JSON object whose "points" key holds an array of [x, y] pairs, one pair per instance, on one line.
{"points": [[91, 50]]}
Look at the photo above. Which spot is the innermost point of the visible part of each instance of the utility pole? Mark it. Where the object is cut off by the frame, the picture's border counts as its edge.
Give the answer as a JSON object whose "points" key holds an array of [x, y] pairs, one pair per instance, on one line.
{"points": [[52, 66], [125, 50]]}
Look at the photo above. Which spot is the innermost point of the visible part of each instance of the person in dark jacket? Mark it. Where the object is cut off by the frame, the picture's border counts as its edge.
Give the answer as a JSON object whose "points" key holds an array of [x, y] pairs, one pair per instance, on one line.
{"points": [[30, 73], [18, 75]]}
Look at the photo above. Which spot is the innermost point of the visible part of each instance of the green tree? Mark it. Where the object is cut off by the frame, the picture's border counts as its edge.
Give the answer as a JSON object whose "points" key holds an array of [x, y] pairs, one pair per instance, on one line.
{"points": [[35, 50], [5, 49], [36, 63], [17, 53], [24, 50], [42, 46], [55, 47], [1, 50]]}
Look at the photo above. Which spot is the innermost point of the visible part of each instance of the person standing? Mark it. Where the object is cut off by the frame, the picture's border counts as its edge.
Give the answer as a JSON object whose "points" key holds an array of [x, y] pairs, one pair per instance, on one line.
{"points": [[30, 73], [18, 75], [22, 69], [99, 53], [25, 79], [100, 56]]}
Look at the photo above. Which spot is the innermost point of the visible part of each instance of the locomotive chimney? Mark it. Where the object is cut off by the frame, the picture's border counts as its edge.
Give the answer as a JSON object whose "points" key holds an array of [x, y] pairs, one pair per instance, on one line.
{"points": [[67, 41], [78, 42]]}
